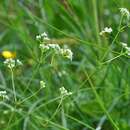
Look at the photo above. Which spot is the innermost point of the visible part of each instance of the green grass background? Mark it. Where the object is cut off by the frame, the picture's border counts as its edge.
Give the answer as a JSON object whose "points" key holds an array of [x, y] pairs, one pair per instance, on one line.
{"points": [[100, 89]]}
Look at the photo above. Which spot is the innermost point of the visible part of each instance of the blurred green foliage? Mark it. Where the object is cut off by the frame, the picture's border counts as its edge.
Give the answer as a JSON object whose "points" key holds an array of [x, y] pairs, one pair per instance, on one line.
{"points": [[99, 90]]}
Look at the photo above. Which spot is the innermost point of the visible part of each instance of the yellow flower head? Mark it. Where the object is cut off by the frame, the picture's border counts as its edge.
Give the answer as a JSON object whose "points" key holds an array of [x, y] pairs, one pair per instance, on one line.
{"points": [[8, 54]]}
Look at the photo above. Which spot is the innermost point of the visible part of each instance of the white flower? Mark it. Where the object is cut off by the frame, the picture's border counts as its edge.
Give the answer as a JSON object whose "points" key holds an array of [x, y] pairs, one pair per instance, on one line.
{"points": [[42, 37], [62, 73], [67, 53], [38, 37], [19, 62], [128, 54], [11, 63], [46, 38], [98, 128], [44, 34], [54, 46], [127, 48], [106, 30], [3, 95], [64, 52], [125, 12], [44, 47], [123, 44], [42, 84], [64, 92]]}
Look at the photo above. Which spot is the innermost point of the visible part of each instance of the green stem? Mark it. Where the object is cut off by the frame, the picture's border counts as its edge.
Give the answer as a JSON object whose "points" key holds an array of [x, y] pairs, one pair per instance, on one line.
{"points": [[64, 122], [108, 61], [101, 102], [54, 114], [94, 3], [117, 34], [34, 73], [13, 85]]}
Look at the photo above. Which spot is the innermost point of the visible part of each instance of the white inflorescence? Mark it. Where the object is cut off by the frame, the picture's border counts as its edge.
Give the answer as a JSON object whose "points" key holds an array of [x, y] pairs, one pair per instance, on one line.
{"points": [[11, 63], [106, 30], [67, 53], [45, 47], [18, 62], [3, 94], [125, 12], [42, 84], [42, 36], [62, 73], [124, 45], [98, 128], [64, 92], [55, 47]]}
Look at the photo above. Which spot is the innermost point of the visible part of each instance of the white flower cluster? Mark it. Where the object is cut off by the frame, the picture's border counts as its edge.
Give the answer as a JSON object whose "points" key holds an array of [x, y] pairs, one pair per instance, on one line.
{"points": [[42, 36], [125, 12], [62, 73], [55, 47], [42, 84], [64, 92], [124, 45], [64, 52], [3, 95], [106, 30], [11, 63], [45, 47]]}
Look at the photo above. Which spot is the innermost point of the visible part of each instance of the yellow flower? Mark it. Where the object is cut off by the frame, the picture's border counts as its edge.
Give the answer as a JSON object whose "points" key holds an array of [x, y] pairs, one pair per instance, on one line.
{"points": [[8, 54]]}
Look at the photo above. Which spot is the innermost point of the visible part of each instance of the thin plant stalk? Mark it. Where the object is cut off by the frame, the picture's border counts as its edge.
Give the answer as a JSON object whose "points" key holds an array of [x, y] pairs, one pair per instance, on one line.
{"points": [[13, 84], [99, 100], [116, 36], [94, 4]]}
